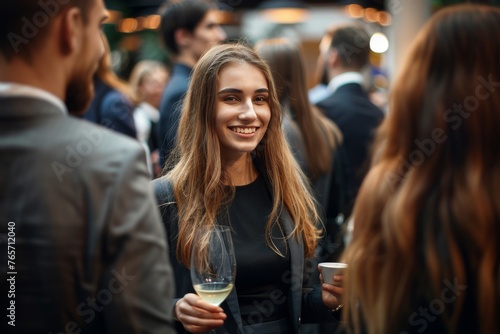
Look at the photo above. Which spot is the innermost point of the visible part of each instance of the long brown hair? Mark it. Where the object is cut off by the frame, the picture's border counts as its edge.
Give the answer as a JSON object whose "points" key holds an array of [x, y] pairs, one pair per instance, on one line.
{"points": [[321, 136], [198, 175], [429, 210]]}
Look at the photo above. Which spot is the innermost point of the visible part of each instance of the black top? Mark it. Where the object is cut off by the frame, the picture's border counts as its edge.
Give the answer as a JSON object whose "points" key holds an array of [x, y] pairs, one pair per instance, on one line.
{"points": [[261, 279]]}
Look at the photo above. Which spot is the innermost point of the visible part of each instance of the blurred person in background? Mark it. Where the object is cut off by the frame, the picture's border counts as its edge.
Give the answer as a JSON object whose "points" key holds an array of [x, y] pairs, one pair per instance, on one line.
{"points": [[320, 90], [319, 149], [188, 28], [147, 81], [114, 102], [348, 105], [87, 251], [425, 251]]}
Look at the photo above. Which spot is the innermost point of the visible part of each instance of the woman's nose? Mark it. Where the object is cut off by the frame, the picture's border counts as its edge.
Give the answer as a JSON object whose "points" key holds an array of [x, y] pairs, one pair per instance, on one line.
{"points": [[248, 111]]}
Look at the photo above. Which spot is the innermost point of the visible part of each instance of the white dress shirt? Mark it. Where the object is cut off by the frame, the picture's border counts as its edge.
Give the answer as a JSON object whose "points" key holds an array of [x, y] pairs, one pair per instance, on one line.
{"points": [[344, 79]]}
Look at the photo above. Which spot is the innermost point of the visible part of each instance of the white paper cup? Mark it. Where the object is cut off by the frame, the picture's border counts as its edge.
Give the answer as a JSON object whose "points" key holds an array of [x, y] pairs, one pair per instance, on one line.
{"points": [[330, 269]]}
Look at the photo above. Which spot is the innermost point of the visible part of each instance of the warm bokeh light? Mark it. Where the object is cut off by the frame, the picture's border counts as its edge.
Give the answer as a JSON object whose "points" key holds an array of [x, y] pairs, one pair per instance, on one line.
{"points": [[384, 18], [152, 22], [371, 14], [227, 18], [286, 15], [130, 24], [355, 11], [379, 43], [127, 25]]}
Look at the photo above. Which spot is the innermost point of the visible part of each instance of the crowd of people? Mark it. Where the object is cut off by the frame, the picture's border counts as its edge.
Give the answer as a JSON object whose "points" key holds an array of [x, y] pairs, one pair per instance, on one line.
{"points": [[105, 182]]}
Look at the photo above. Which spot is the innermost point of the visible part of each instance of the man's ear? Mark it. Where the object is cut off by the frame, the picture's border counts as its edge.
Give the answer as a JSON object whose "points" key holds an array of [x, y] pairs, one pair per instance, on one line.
{"points": [[332, 57], [71, 30], [183, 38]]}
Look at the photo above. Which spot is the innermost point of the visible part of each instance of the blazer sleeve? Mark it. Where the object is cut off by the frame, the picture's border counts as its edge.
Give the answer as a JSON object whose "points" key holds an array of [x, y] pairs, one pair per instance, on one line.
{"points": [[313, 309], [165, 199], [138, 276]]}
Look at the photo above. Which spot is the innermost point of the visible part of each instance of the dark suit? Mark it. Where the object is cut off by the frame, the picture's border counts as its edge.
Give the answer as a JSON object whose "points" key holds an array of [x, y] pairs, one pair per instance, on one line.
{"points": [[112, 109], [304, 305], [358, 118], [90, 251], [170, 109]]}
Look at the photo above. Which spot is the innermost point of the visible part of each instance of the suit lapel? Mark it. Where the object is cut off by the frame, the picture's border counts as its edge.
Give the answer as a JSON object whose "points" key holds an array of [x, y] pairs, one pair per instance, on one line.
{"points": [[297, 269], [233, 323]]}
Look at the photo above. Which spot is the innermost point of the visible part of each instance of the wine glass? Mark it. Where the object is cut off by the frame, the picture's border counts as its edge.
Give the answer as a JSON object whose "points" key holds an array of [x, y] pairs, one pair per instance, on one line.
{"points": [[213, 263]]}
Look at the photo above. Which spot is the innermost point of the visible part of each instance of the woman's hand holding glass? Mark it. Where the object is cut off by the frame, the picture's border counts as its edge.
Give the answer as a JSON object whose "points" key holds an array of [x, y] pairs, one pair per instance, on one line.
{"points": [[197, 315], [213, 271]]}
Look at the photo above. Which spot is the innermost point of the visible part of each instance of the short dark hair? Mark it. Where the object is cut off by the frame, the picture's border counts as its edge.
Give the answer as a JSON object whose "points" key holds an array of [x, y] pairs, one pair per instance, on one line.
{"points": [[24, 23], [181, 14], [353, 46]]}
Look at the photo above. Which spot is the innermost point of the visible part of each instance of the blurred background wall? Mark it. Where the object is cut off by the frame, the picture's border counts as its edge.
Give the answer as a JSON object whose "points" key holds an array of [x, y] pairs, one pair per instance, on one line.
{"points": [[131, 28]]}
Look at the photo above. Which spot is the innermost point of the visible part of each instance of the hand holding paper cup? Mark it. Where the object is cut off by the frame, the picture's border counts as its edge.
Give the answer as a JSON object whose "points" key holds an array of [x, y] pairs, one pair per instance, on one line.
{"points": [[330, 269]]}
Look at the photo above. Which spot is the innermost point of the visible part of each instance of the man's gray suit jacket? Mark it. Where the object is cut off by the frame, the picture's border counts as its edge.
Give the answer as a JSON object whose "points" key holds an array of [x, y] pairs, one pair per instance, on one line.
{"points": [[90, 250]]}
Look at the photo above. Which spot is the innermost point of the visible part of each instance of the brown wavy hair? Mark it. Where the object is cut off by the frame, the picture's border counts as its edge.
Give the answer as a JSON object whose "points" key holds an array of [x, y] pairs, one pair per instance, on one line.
{"points": [[429, 210], [321, 136], [198, 176]]}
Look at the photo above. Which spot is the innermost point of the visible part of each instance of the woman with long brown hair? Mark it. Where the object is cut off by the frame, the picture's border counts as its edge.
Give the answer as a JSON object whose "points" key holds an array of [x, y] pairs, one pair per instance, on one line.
{"points": [[320, 152], [233, 167], [425, 254]]}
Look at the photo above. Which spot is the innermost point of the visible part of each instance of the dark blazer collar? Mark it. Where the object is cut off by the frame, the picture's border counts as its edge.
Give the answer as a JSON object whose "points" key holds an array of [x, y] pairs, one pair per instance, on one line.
{"points": [[352, 87]]}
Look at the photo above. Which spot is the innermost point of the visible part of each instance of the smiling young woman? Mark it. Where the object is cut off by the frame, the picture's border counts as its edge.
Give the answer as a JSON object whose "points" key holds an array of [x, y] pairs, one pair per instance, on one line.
{"points": [[233, 167], [242, 116]]}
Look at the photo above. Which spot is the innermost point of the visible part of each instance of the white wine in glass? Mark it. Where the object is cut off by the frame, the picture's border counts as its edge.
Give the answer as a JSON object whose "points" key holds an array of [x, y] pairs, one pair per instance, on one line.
{"points": [[214, 293], [213, 263]]}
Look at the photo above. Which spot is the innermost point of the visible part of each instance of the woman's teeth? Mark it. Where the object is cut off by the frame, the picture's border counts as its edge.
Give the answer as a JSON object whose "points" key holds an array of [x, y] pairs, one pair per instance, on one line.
{"points": [[245, 130]]}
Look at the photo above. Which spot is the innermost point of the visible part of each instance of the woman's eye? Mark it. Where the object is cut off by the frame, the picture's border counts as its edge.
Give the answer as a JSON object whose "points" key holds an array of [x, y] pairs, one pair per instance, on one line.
{"points": [[261, 99], [230, 98]]}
